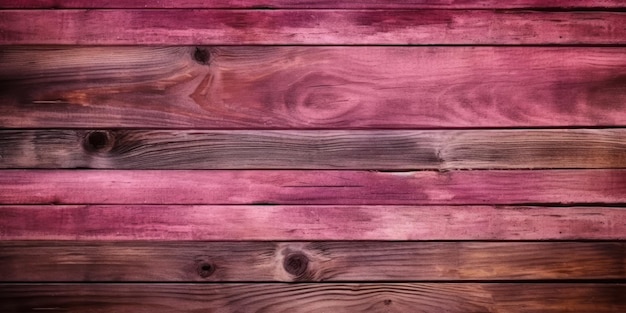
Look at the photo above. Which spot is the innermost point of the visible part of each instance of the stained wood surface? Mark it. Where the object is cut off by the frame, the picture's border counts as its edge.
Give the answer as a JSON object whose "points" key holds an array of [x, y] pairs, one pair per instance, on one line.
{"points": [[250, 149], [77, 261], [311, 87], [319, 4], [406, 297], [350, 222], [311, 187], [311, 27]]}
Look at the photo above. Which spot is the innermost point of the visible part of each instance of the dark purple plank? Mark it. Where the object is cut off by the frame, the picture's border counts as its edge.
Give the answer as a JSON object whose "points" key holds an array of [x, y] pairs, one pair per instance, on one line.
{"points": [[314, 27]]}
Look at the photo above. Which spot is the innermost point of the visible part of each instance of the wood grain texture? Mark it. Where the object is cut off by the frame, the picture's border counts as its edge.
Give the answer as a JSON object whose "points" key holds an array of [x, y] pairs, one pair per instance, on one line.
{"points": [[182, 222], [313, 149], [311, 187], [309, 4], [80, 261], [309, 27], [311, 87], [318, 298]]}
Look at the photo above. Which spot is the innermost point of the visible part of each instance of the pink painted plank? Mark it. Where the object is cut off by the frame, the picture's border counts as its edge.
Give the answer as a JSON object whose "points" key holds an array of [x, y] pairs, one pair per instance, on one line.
{"points": [[311, 187], [326, 27], [219, 223], [310, 4]]}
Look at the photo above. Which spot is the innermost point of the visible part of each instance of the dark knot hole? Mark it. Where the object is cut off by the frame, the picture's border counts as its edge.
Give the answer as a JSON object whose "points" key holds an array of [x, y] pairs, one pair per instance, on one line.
{"points": [[205, 269], [202, 56], [296, 264], [97, 141]]}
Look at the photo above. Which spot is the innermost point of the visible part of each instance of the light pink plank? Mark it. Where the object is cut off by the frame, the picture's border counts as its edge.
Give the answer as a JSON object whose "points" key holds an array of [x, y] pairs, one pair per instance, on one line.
{"points": [[176, 27], [178, 222], [322, 4], [311, 187]]}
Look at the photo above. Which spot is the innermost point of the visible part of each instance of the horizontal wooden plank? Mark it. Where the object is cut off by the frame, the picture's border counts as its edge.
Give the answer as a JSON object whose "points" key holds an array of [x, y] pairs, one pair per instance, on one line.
{"points": [[80, 261], [311, 187], [309, 27], [311, 87], [308, 4], [182, 222], [313, 149], [422, 297]]}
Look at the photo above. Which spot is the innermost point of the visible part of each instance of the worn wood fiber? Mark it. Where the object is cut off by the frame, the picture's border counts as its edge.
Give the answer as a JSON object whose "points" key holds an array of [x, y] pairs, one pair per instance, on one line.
{"points": [[348, 298], [317, 4], [311, 27], [311, 187], [311, 87], [350, 222], [252, 149], [80, 261]]}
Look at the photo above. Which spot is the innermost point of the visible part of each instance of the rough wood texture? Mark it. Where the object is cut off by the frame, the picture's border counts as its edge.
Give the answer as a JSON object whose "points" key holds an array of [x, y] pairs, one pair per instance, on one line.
{"points": [[75, 261], [177, 222], [318, 298], [316, 4], [311, 187], [311, 87], [313, 27], [386, 150]]}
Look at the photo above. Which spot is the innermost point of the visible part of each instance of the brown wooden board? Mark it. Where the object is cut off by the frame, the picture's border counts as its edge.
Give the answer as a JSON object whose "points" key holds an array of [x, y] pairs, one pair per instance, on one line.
{"points": [[253, 149], [311, 87], [327, 297], [82, 261]]}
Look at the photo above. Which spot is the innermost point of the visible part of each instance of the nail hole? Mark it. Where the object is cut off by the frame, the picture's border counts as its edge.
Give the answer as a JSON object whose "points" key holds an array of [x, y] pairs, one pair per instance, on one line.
{"points": [[205, 270], [296, 264], [201, 56], [97, 141]]}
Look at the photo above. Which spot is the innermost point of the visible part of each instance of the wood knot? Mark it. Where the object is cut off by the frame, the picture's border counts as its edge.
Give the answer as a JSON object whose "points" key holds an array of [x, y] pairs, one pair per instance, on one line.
{"points": [[205, 269], [296, 264], [202, 56], [387, 302], [98, 141]]}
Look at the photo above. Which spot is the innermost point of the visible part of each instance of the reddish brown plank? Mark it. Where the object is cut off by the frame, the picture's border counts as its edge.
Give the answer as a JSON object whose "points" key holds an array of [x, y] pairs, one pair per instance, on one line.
{"points": [[356, 149], [316, 4], [72, 261], [310, 27], [331, 297], [311, 187], [311, 87], [181, 222]]}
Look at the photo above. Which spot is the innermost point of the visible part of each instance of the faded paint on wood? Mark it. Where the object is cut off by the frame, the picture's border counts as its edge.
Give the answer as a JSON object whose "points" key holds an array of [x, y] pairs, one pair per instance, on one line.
{"points": [[310, 27], [317, 4], [331, 297], [80, 261], [311, 187], [250, 149], [350, 222], [311, 87]]}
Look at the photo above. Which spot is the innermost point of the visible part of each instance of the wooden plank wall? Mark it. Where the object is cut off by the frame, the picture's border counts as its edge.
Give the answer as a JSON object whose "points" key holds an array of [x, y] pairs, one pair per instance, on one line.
{"points": [[312, 156]]}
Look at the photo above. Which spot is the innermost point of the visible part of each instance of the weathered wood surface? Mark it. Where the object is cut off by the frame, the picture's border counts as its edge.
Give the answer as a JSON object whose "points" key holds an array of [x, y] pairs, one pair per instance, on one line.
{"points": [[311, 187], [227, 222], [311, 87], [310, 27], [80, 261], [313, 149], [317, 4], [340, 298]]}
